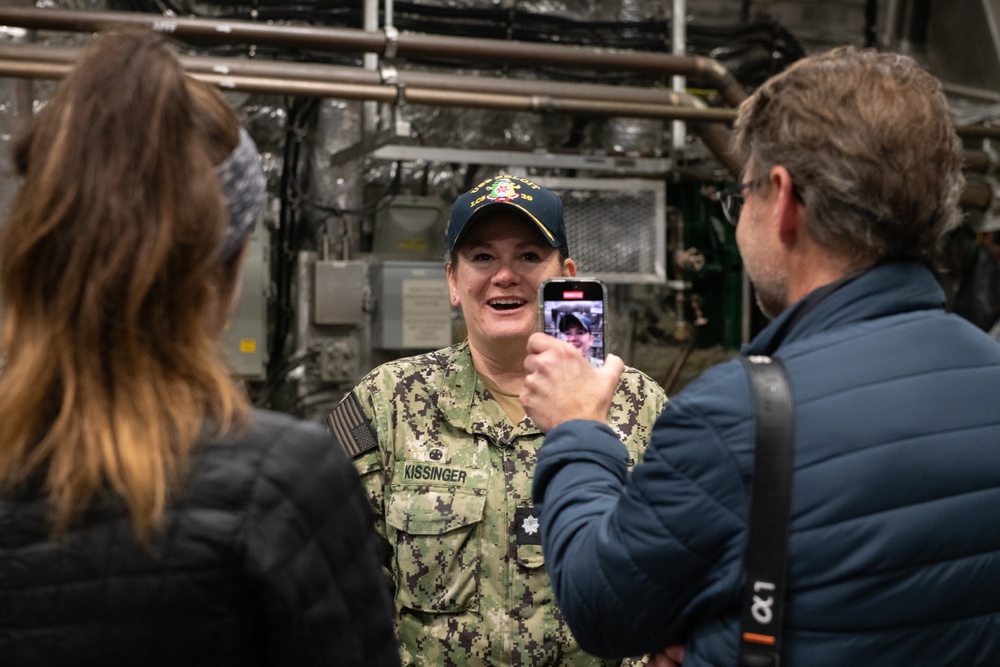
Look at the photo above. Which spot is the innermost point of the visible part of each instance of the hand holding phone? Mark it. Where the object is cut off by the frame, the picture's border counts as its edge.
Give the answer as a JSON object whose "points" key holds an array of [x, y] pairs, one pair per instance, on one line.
{"points": [[573, 309], [561, 387]]}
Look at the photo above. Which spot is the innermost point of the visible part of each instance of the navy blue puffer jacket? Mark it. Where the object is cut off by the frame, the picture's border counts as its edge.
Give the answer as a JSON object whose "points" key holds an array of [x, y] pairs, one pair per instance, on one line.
{"points": [[895, 542]]}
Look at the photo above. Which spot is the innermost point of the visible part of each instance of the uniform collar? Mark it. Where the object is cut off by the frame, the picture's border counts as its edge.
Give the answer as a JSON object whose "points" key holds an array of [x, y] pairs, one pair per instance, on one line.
{"points": [[464, 401]]}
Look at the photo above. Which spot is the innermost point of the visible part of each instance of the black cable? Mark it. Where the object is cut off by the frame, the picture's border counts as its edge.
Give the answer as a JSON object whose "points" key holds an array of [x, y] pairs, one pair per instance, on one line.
{"points": [[302, 117], [871, 23], [276, 379]]}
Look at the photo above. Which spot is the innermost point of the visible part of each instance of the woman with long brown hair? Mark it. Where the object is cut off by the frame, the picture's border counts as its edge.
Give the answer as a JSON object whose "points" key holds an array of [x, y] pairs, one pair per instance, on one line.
{"points": [[148, 515]]}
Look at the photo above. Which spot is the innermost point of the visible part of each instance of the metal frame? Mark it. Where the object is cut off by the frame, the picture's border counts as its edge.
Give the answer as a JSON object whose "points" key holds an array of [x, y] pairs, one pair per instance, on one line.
{"points": [[659, 190]]}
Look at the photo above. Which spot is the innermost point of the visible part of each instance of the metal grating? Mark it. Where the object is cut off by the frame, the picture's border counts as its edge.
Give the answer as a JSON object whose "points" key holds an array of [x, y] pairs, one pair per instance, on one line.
{"points": [[616, 227]]}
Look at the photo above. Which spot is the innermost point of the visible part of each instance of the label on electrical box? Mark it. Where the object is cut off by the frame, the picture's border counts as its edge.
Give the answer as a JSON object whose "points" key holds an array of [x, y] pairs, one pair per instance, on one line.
{"points": [[426, 320]]}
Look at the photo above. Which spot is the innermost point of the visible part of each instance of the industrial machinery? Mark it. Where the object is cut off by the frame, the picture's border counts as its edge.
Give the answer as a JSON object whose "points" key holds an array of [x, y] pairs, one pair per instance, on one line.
{"points": [[372, 117]]}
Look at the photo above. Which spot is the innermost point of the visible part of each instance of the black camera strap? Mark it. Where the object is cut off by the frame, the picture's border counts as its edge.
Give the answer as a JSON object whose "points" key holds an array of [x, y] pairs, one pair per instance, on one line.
{"points": [[770, 506]]}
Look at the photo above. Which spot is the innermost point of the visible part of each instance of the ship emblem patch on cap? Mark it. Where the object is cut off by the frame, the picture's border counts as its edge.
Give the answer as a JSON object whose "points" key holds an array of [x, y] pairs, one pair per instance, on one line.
{"points": [[503, 190]]}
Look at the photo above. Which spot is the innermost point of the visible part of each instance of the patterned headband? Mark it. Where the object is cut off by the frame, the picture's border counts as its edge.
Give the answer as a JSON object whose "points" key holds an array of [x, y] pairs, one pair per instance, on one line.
{"points": [[242, 179]]}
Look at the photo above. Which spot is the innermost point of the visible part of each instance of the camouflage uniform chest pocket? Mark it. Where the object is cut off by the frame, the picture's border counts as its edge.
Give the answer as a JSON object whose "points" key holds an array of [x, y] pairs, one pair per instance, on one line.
{"points": [[436, 549]]}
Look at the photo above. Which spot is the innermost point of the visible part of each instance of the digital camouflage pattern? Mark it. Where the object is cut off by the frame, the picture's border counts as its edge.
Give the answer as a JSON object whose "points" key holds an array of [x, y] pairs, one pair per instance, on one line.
{"points": [[449, 477]]}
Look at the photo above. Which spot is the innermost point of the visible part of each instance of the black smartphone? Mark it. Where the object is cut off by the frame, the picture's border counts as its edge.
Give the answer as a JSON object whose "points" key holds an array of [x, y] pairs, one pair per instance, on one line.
{"points": [[574, 310]]}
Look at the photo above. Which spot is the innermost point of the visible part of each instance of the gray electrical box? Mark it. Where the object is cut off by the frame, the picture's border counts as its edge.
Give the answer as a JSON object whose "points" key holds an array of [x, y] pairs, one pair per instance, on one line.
{"points": [[339, 292], [245, 336], [339, 359], [411, 228], [412, 306]]}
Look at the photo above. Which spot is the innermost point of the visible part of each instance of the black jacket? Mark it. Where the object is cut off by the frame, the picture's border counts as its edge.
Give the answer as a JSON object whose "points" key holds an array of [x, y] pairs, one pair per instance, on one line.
{"points": [[266, 558]]}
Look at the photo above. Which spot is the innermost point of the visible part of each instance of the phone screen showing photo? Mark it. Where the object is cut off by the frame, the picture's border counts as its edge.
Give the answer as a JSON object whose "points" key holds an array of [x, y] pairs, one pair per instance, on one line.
{"points": [[573, 310]]}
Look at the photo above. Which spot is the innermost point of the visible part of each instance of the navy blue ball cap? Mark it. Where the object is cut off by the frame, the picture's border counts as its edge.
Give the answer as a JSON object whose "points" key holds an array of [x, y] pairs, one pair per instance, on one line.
{"points": [[569, 319], [541, 206]]}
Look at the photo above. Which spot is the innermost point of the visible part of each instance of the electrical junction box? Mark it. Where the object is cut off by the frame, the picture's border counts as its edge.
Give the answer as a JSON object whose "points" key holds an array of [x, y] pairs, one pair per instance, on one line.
{"points": [[244, 337], [340, 292], [412, 307], [411, 228], [339, 359]]}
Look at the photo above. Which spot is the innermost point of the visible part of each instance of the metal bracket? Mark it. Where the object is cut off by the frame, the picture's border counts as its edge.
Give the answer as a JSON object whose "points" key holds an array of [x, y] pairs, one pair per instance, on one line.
{"points": [[391, 42]]}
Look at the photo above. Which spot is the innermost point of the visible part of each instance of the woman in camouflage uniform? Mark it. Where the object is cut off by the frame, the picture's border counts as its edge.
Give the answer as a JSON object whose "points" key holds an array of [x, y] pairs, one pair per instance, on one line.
{"points": [[447, 454]]}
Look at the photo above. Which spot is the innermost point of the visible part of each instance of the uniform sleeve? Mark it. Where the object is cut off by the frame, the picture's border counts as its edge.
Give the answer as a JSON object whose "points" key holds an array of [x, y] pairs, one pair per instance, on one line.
{"points": [[352, 424], [635, 408], [638, 559], [311, 546]]}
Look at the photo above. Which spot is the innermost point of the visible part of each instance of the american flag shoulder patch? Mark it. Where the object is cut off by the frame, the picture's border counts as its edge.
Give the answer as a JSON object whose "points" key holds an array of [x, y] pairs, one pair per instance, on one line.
{"points": [[350, 427]]}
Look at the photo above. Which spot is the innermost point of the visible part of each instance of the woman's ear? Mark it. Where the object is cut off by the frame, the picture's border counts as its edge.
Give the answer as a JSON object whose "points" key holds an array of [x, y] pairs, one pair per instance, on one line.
{"points": [[568, 268], [453, 292]]}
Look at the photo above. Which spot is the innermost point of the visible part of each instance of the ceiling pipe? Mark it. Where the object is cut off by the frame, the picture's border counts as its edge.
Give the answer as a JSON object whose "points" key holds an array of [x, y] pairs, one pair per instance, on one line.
{"points": [[678, 47], [333, 81], [400, 45], [978, 194], [979, 131], [253, 67], [414, 95], [370, 117], [308, 79]]}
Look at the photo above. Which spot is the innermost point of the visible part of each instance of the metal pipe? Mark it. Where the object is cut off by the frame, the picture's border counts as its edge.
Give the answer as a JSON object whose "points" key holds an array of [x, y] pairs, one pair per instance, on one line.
{"points": [[202, 31], [871, 23], [716, 138], [406, 45], [384, 93], [978, 194], [388, 13], [978, 160], [912, 27], [678, 24], [369, 110], [419, 88], [236, 66], [282, 77], [521, 53], [979, 131]]}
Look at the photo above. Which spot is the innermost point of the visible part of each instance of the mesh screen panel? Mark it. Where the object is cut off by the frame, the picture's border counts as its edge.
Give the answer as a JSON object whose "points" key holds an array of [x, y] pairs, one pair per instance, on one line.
{"points": [[616, 227]]}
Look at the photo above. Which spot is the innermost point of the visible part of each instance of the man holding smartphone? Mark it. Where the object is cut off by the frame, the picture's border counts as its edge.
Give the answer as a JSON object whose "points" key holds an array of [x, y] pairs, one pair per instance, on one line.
{"points": [[852, 178]]}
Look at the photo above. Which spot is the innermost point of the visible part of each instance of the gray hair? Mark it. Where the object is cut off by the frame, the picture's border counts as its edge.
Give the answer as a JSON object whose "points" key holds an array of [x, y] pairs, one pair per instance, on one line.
{"points": [[869, 143]]}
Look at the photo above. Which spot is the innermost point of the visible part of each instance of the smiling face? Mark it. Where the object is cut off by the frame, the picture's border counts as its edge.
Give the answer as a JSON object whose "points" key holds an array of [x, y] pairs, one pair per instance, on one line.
{"points": [[579, 338], [494, 276]]}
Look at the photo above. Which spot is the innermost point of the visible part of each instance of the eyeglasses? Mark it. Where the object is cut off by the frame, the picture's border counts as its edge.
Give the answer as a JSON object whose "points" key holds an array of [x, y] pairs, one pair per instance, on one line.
{"points": [[732, 199]]}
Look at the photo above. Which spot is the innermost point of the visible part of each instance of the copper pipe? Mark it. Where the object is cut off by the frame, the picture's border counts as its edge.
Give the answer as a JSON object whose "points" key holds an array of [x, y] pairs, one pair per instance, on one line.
{"points": [[436, 89], [236, 66], [343, 40], [403, 45], [203, 31], [977, 194], [420, 87], [413, 95], [716, 138], [979, 132], [978, 161]]}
